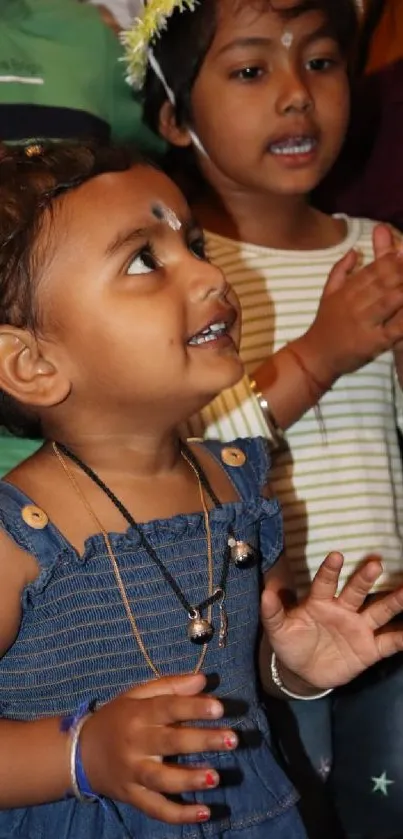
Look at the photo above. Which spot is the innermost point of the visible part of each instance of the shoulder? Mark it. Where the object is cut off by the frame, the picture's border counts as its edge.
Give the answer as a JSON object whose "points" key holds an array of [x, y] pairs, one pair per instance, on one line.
{"points": [[360, 234], [17, 569], [248, 457]]}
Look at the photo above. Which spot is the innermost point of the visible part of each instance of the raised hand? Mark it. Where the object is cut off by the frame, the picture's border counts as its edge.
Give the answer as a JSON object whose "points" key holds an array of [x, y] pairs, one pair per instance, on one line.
{"points": [[328, 640], [123, 745], [360, 314]]}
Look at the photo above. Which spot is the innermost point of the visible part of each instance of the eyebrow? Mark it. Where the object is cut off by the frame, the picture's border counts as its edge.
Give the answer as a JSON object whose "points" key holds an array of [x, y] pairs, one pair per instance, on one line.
{"points": [[245, 42], [130, 237], [127, 237], [323, 31]]}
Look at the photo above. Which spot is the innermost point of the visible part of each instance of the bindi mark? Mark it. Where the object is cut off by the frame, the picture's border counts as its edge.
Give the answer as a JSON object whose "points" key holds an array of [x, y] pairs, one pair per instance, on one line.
{"points": [[287, 39], [166, 215]]}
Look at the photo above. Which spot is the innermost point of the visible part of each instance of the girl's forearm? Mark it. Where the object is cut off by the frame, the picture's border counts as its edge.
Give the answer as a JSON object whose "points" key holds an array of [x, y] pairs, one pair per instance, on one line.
{"points": [[34, 762], [293, 380]]}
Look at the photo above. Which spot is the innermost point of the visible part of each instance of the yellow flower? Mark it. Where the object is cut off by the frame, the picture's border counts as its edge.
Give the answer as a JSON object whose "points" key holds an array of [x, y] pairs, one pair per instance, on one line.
{"points": [[144, 31]]}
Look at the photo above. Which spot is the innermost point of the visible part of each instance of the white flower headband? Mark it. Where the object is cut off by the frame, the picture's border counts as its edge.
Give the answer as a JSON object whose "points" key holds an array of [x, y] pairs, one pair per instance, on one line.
{"points": [[144, 31]]}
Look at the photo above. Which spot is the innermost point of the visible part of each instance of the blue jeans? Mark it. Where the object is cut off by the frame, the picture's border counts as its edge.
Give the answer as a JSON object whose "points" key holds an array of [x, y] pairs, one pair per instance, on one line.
{"points": [[353, 741]]}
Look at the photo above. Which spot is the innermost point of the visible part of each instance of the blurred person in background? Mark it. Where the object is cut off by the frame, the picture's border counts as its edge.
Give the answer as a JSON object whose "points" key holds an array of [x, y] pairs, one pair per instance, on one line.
{"points": [[367, 180], [61, 76]]}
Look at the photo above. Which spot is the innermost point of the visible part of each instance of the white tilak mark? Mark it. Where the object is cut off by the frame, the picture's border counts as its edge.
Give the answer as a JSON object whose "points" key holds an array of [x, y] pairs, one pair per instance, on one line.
{"points": [[287, 39], [170, 218]]}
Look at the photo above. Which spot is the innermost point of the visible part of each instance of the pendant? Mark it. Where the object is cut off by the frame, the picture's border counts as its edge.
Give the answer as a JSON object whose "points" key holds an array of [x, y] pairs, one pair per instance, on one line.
{"points": [[242, 554], [200, 631], [223, 631]]}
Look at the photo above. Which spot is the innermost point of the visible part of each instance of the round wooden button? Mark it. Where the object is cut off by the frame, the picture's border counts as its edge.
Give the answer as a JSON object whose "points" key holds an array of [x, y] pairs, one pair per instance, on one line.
{"points": [[34, 517], [232, 456]]}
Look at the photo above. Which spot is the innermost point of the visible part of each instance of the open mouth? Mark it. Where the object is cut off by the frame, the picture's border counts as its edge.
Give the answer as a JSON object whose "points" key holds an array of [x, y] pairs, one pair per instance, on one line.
{"points": [[293, 146], [211, 333]]}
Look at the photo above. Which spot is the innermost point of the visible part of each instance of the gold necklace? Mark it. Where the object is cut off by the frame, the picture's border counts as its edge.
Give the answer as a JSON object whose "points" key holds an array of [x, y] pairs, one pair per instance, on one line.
{"points": [[132, 620]]}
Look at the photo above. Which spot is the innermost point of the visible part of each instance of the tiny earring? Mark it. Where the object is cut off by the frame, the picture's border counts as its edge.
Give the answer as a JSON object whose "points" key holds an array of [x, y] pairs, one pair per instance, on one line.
{"points": [[243, 555]]}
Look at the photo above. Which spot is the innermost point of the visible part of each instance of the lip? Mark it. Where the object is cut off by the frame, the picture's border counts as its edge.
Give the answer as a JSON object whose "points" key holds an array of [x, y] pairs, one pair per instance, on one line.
{"points": [[295, 132], [294, 160], [227, 315]]}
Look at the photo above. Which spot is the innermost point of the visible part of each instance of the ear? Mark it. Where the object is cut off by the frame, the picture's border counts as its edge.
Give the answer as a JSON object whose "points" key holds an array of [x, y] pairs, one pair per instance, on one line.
{"points": [[169, 128], [26, 373]]}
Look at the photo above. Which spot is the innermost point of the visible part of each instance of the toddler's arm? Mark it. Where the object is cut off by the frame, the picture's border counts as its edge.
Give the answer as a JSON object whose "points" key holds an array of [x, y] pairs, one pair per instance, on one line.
{"points": [[123, 745]]}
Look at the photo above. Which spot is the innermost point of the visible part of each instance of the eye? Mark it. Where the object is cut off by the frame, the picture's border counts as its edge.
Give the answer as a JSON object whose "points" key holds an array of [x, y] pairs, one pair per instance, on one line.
{"points": [[197, 246], [248, 74], [144, 262], [320, 65]]}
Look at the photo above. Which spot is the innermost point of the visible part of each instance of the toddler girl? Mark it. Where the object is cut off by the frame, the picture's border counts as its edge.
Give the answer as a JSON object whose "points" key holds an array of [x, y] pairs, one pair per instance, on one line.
{"points": [[130, 559]]}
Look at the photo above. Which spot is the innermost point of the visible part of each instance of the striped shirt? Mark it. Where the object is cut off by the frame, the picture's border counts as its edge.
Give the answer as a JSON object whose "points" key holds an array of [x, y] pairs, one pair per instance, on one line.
{"points": [[341, 487]]}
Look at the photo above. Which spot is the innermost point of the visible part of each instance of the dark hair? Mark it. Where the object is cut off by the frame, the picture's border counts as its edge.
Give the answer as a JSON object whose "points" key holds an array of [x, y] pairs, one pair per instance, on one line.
{"points": [[182, 47], [31, 180]]}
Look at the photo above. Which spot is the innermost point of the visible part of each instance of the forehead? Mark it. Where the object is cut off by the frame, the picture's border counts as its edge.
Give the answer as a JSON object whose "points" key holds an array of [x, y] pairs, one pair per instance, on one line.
{"points": [[91, 214], [267, 18]]}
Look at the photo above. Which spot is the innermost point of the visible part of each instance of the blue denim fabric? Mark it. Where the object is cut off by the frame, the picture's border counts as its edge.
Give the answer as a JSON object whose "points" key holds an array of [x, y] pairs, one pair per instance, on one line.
{"points": [[353, 740], [75, 643]]}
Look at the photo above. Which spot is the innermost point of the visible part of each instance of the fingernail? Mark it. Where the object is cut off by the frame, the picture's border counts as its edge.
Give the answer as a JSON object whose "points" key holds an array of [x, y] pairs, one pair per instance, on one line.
{"points": [[215, 709], [231, 741], [211, 779], [203, 816]]}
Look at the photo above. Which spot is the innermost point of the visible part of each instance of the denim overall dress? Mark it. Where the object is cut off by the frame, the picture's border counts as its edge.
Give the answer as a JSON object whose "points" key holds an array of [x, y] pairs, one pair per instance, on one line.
{"points": [[75, 643]]}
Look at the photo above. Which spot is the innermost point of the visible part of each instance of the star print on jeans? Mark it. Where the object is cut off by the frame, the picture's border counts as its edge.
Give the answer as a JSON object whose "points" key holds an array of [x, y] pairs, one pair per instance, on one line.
{"points": [[324, 767], [381, 784]]}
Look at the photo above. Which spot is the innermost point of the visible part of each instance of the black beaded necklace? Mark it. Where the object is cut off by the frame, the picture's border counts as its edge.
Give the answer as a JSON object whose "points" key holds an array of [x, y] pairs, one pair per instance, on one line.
{"points": [[200, 631]]}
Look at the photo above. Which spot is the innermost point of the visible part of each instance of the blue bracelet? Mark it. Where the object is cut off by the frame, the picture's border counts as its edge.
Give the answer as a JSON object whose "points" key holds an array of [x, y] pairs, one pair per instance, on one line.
{"points": [[80, 784]]}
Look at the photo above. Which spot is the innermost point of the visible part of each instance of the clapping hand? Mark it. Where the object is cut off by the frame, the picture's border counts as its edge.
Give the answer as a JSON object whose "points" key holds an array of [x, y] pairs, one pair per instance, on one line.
{"points": [[360, 315], [327, 640]]}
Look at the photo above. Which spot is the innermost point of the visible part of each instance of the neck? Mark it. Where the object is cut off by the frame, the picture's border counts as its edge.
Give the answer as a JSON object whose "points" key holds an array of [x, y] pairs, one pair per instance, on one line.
{"points": [[140, 456], [272, 221]]}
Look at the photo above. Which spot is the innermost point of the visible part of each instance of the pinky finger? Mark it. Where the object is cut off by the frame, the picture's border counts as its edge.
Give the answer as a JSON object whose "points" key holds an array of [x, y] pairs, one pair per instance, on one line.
{"points": [[156, 806]]}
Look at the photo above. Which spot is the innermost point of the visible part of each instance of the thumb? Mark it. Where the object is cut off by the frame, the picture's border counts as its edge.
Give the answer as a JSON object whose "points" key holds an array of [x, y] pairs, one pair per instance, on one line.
{"points": [[382, 240], [273, 614], [340, 272], [174, 685]]}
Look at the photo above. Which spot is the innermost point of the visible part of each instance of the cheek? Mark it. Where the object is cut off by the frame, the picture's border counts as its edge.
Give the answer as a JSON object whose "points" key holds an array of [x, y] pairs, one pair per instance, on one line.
{"points": [[224, 118], [338, 112]]}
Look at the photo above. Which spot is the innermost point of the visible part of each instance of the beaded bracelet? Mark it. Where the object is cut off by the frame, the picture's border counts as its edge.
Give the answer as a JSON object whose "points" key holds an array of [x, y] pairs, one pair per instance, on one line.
{"points": [[80, 784], [278, 682]]}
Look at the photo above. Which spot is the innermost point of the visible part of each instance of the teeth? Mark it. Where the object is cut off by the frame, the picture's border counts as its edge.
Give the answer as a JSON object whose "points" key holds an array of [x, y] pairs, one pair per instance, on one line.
{"points": [[295, 146], [211, 333]]}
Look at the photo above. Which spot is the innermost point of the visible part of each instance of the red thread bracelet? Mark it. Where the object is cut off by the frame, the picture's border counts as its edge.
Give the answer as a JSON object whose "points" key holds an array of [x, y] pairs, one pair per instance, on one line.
{"points": [[312, 379]]}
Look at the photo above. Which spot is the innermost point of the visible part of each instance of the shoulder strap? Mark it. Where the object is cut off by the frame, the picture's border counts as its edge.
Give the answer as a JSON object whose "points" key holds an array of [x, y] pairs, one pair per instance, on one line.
{"points": [[28, 526], [246, 462]]}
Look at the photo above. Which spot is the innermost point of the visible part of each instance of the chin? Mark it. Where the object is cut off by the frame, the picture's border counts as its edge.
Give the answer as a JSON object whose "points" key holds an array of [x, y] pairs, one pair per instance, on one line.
{"points": [[225, 378]]}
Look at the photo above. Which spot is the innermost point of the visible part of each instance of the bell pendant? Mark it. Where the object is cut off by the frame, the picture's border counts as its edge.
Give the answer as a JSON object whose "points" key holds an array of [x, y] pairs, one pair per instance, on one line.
{"points": [[242, 554], [200, 631]]}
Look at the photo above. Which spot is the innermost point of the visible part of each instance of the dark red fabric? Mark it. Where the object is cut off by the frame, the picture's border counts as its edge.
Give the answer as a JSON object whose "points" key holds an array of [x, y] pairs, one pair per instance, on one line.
{"points": [[367, 180]]}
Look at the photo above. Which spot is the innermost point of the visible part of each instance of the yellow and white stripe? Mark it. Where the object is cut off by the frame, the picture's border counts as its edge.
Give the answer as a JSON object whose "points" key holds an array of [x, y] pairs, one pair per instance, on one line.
{"points": [[341, 489]]}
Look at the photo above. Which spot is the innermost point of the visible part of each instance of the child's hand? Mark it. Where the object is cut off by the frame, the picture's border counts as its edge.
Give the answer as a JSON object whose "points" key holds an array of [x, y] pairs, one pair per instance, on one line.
{"points": [[360, 314], [328, 640], [124, 742]]}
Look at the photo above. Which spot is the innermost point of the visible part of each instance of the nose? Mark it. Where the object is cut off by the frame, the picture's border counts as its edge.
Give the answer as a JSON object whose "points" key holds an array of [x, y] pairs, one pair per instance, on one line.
{"points": [[294, 94], [207, 281]]}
